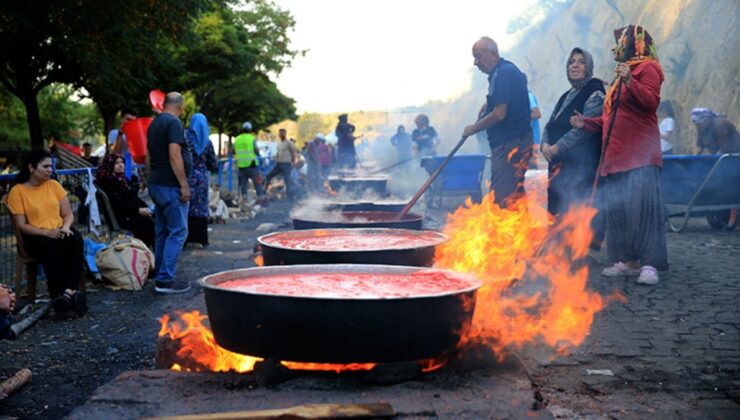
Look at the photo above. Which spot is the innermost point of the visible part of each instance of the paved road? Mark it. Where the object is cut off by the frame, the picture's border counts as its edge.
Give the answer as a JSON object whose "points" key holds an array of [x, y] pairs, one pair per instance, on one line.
{"points": [[674, 348]]}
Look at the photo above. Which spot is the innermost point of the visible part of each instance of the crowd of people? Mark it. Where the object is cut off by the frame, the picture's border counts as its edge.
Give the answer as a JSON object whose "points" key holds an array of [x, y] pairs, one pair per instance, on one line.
{"points": [[603, 143], [603, 146]]}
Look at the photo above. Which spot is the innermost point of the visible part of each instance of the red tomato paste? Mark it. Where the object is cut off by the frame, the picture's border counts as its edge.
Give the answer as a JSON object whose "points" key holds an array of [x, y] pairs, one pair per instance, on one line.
{"points": [[355, 285], [347, 241]]}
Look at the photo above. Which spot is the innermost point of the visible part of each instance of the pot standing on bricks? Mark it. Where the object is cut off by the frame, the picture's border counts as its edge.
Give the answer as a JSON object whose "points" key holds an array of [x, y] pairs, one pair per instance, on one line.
{"points": [[506, 118], [631, 163]]}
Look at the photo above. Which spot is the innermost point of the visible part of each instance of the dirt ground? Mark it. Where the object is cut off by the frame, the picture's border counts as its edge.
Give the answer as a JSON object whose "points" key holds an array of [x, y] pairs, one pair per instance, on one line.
{"points": [[673, 350]]}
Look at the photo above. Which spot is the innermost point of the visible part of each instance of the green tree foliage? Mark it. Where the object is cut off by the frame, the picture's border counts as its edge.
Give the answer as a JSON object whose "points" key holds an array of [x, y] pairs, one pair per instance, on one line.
{"points": [[108, 47], [60, 114], [310, 124], [116, 51], [13, 117], [33, 52], [129, 50], [254, 98], [229, 58]]}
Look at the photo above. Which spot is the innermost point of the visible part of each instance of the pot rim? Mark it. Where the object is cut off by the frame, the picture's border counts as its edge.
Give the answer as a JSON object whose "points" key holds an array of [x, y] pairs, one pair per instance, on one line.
{"points": [[316, 217], [207, 282], [359, 178], [441, 238]]}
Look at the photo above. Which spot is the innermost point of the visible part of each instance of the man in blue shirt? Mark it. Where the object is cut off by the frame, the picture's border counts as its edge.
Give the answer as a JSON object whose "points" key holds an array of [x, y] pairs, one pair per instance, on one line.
{"points": [[506, 119]]}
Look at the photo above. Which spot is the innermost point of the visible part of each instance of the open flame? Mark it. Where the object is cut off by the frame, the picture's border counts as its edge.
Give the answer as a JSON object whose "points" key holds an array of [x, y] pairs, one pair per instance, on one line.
{"points": [[534, 290], [199, 352], [198, 347]]}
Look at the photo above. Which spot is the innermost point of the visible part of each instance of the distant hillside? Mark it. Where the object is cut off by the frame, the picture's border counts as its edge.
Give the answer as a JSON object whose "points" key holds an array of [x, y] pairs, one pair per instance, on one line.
{"points": [[697, 43]]}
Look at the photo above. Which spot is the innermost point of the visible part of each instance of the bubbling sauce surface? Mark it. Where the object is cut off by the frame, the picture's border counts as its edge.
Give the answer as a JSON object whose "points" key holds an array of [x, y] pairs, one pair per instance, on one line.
{"points": [[355, 285], [345, 241]]}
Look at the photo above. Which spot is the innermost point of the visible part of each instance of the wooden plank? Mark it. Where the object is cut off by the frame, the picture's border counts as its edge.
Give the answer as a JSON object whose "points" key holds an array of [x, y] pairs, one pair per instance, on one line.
{"points": [[306, 411]]}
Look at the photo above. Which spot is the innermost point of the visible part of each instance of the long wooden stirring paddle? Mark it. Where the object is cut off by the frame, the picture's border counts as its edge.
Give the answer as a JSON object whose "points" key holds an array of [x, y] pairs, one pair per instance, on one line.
{"points": [[431, 179]]}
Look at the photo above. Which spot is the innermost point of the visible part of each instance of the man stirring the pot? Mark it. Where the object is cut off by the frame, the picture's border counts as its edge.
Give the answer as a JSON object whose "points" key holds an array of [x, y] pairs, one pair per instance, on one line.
{"points": [[506, 118]]}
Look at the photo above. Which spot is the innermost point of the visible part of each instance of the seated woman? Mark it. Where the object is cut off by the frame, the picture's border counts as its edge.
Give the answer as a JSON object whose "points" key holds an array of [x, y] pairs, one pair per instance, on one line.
{"points": [[42, 212], [131, 212]]}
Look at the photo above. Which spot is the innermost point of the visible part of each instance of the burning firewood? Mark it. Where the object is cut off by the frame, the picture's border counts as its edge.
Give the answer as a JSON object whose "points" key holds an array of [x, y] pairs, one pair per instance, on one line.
{"points": [[167, 356]]}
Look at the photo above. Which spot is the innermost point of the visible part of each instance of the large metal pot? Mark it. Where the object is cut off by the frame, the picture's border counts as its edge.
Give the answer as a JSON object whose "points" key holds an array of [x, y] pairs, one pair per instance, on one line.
{"points": [[334, 330], [276, 253], [356, 219], [387, 206], [358, 185], [356, 205]]}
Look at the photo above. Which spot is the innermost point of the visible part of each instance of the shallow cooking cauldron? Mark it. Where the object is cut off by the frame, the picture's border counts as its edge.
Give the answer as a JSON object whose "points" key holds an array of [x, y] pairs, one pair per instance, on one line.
{"points": [[351, 246], [356, 219], [359, 185], [331, 329]]}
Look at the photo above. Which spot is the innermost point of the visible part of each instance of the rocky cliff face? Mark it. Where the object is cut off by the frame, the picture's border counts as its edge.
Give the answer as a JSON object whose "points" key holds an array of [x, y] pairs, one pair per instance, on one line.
{"points": [[697, 43]]}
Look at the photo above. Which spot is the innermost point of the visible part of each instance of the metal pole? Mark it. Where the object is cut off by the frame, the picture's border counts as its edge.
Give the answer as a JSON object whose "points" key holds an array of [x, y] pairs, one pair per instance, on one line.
{"points": [[231, 171]]}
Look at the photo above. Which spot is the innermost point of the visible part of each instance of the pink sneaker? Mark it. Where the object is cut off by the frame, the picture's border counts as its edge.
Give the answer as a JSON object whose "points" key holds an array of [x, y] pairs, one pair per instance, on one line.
{"points": [[620, 269], [648, 275]]}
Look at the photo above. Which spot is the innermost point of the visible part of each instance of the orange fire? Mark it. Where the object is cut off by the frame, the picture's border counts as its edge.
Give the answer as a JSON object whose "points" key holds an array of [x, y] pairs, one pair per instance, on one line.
{"points": [[532, 290], [259, 260], [198, 345], [199, 348]]}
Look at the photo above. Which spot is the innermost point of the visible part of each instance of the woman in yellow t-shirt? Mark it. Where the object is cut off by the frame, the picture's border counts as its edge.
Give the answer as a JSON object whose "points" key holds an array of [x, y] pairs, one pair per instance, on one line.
{"points": [[42, 212]]}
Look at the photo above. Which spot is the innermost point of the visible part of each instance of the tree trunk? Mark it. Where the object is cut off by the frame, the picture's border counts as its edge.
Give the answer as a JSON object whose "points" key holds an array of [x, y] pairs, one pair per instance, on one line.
{"points": [[30, 101], [109, 121]]}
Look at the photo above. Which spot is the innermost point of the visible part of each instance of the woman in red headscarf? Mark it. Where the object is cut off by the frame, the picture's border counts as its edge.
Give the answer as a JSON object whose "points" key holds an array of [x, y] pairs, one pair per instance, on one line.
{"points": [[631, 162]]}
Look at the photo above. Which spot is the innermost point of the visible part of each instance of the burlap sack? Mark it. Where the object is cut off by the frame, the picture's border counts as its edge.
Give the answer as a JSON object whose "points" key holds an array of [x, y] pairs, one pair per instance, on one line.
{"points": [[125, 263]]}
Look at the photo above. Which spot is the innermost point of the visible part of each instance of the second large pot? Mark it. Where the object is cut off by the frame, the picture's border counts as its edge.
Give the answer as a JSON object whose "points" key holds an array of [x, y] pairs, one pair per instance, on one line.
{"points": [[356, 219], [351, 246]]}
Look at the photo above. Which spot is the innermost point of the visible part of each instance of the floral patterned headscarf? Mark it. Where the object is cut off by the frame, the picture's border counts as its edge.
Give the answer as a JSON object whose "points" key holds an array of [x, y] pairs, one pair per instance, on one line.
{"points": [[106, 171], [634, 46]]}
